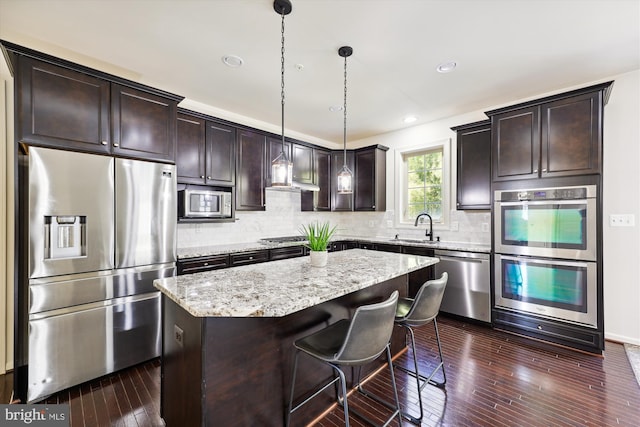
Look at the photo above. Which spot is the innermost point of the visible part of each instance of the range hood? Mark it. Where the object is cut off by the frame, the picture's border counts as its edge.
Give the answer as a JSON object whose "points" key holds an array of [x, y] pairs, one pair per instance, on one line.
{"points": [[305, 187]]}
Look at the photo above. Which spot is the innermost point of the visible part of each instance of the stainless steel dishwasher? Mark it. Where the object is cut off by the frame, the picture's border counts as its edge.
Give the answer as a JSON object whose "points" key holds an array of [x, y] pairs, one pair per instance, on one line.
{"points": [[468, 291]]}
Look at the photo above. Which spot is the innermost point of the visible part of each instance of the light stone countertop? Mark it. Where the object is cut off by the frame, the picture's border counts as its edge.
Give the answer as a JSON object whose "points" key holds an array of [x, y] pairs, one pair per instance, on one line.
{"points": [[279, 288], [194, 252]]}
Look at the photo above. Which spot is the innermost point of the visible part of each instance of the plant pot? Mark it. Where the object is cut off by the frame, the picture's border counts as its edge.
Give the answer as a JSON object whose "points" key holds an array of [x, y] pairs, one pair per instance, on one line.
{"points": [[318, 258]]}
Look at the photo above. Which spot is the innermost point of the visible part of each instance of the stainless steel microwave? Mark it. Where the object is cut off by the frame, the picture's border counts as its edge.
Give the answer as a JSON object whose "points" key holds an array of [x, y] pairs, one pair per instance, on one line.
{"points": [[195, 203]]}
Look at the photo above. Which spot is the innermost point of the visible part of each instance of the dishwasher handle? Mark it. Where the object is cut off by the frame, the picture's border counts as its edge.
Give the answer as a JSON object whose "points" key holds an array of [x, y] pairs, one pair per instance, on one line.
{"points": [[458, 256]]}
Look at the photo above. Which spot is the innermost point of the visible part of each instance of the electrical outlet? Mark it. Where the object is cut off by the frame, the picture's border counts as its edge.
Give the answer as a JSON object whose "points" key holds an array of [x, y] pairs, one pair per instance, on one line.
{"points": [[485, 227], [455, 226], [178, 335], [622, 220]]}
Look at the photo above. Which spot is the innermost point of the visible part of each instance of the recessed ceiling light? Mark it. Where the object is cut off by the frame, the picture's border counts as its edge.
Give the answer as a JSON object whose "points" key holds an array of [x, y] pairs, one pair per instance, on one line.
{"points": [[335, 108], [233, 61], [410, 119], [446, 67]]}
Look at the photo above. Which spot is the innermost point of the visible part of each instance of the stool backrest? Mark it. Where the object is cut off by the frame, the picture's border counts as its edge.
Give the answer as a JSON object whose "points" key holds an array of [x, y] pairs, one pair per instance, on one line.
{"points": [[369, 332], [427, 302]]}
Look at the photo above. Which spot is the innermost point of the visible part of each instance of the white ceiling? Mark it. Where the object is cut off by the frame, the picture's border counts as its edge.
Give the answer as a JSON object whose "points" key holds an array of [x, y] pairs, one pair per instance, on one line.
{"points": [[505, 50]]}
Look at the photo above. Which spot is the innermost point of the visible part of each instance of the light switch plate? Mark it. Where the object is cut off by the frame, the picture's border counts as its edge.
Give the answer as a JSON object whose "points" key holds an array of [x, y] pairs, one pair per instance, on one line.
{"points": [[622, 220]]}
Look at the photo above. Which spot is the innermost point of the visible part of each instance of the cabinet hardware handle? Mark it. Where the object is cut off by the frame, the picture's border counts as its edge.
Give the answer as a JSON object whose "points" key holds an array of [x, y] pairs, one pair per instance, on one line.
{"points": [[201, 176], [544, 170], [208, 177], [540, 327], [535, 171], [205, 264], [115, 144], [105, 143]]}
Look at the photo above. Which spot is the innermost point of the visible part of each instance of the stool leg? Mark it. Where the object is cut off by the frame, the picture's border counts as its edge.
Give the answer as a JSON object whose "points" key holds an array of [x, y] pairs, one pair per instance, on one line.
{"points": [[293, 383], [398, 412], [444, 375], [343, 401]]}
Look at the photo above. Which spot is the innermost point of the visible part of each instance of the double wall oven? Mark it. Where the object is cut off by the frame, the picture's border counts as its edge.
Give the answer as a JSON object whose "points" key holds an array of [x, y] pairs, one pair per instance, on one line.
{"points": [[546, 254]]}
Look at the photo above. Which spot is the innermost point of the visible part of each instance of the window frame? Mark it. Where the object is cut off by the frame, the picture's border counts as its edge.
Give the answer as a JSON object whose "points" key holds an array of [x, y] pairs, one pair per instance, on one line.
{"points": [[401, 198]]}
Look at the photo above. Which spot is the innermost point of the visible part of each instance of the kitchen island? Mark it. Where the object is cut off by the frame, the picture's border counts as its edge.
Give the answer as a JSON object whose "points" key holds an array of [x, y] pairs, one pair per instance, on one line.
{"points": [[228, 334]]}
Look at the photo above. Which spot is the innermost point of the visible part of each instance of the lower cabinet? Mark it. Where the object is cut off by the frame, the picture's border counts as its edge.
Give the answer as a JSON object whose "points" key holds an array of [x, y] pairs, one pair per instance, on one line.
{"points": [[288, 252], [245, 258], [200, 264]]}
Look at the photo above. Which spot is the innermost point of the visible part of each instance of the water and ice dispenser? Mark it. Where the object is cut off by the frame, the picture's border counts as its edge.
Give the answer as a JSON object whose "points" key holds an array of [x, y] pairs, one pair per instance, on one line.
{"points": [[65, 236]]}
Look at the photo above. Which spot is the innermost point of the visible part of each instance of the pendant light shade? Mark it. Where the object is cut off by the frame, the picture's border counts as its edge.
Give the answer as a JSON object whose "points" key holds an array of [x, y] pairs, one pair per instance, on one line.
{"points": [[281, 166], [345, 176]]}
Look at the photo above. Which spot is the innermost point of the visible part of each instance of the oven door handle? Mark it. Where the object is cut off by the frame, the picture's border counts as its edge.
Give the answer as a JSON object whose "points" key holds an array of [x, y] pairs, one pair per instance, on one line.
{"points": [[554, 261], [543, 203]]}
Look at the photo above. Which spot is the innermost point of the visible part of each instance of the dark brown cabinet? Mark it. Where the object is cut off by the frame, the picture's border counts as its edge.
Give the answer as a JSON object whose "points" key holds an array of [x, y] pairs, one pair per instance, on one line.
{"points": [[340, 202], [322, 178], [473, 170], [245, 258], [65, 105], [556, 136], [369, 189], [201, 264], [302, 163], [59, 107], [206, 151], [143, 124], [250, 170]]}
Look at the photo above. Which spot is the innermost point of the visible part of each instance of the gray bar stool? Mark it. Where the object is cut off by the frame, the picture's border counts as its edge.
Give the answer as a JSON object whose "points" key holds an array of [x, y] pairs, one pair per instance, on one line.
{"points": [[354, 342], [412, 313]]}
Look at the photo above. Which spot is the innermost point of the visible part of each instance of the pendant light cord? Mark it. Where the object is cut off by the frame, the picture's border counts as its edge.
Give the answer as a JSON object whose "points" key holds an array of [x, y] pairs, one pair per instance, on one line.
{"points": [[282, 80], [344, 135]]}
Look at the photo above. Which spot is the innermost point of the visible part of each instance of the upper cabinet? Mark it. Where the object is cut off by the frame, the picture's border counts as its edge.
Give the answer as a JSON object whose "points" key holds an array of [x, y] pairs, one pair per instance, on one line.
{"points": [[370, 174], [322, 178], [473, 170], [143, 124], [206, 151], [302, 157], [64, 105], [556, 136], [250, 170]]}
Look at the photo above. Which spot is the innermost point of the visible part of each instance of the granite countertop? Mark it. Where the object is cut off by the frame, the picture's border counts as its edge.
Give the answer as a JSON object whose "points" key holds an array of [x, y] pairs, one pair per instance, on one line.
{"points": [[254, 246], [279, 288]]}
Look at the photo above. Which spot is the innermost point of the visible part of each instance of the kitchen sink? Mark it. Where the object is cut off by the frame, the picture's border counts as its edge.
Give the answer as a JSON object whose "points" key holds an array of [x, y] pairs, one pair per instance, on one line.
{"points": [[420, 241]]}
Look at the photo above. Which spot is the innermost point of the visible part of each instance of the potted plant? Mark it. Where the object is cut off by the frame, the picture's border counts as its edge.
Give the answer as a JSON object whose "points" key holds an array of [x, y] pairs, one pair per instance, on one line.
{"points": [[318, 237]]}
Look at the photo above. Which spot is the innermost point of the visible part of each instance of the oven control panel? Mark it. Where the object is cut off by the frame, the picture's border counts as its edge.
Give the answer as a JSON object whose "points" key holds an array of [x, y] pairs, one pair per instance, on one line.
{"points": [[567, 193]]}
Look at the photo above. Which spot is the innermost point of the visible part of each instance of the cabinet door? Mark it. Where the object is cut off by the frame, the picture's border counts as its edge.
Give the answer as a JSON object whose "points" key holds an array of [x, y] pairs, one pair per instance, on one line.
{"points": [[58, 107], [474, 167], [144, 125], [322, 177], [302, 164], [221, 154], [571, 136], [340, 202], [190, 155], [516, 144], [369, 188], [274, 147], [250, 171]]}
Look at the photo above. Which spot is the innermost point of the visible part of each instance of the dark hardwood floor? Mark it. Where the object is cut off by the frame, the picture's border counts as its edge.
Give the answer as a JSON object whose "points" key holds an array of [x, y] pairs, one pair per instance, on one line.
{"points": [[493, 379]]}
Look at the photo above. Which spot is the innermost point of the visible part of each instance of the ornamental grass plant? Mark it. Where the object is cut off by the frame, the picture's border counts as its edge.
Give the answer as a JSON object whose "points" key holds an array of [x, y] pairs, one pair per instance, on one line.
{"points": [[318, 235]]}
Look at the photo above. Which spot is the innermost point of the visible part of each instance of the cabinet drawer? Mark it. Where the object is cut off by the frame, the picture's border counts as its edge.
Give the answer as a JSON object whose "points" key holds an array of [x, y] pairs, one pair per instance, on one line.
{"points": [[289, 252], [198, 265], [249, 258]]}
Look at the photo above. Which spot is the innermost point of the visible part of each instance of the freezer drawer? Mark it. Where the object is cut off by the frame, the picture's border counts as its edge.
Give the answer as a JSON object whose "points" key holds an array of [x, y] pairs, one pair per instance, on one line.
{"points": [[53, 293], [68, 347], [468, 291]]}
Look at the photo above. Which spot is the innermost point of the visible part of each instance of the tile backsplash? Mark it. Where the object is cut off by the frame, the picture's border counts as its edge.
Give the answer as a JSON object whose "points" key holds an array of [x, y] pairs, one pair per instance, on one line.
{"points": [[283, 217]]}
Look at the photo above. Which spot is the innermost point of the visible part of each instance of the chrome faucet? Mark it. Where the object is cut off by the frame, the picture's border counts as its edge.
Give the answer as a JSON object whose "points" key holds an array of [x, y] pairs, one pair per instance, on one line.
{"points": [[429, 232]]}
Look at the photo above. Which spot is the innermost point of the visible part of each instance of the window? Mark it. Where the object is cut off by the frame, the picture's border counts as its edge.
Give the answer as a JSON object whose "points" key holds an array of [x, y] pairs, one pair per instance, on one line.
{"points": [[422, 183]]}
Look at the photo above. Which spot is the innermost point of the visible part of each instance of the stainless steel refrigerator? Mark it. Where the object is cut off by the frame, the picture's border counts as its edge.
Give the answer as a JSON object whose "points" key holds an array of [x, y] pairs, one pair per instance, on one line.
{"points": [[100, 230]]}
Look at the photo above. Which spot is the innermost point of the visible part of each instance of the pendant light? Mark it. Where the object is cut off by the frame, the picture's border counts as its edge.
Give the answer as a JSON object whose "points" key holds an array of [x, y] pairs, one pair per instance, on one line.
{"points": [[281, 167], [345, 176]]}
